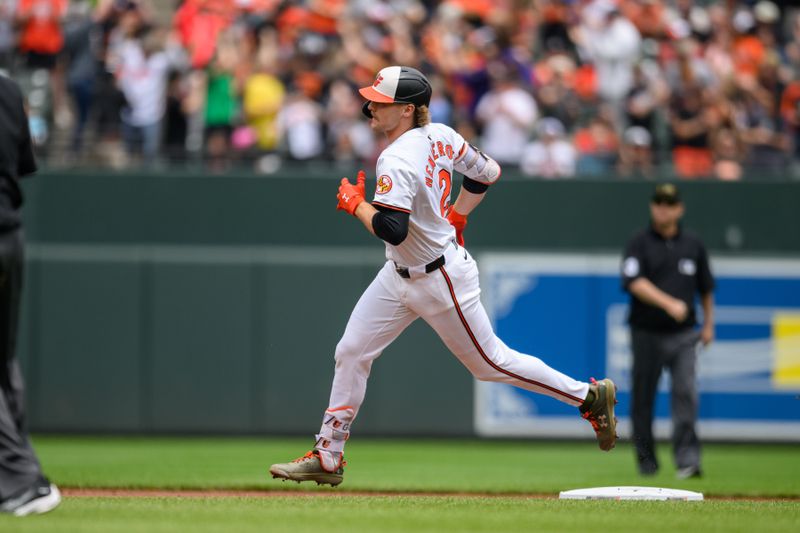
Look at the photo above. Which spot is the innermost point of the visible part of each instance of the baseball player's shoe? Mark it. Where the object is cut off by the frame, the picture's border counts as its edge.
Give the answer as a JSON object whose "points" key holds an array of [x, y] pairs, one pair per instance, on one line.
{"points": [[308, 468], [600, 412], [42, 497]]}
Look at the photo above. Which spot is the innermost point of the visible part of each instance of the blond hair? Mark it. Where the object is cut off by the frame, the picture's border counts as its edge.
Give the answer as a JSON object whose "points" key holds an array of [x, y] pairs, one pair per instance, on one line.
{"points": [[422, 117]]}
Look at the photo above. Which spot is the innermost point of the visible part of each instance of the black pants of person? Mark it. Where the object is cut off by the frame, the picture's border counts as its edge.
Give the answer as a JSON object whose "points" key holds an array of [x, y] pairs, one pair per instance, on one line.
{"points": [[652, 352], [19, 467]]}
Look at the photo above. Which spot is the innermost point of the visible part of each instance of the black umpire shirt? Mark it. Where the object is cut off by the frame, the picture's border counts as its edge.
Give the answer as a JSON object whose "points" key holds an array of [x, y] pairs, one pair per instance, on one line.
{"points": [[678, 266], [16, 153]]}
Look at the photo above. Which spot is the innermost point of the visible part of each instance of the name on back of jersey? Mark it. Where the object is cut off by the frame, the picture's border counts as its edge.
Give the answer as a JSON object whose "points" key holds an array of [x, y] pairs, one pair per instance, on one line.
{"points": [[438, 149]]}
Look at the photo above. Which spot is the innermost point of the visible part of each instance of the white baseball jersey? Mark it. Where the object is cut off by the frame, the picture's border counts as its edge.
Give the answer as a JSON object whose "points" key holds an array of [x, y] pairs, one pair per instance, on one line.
{"points": [[415, 175]]}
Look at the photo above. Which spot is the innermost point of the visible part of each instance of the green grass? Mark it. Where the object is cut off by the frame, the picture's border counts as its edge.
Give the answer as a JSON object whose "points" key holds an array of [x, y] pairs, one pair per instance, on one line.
{"points": [[409, 465], [405, 514], [508, 468]]}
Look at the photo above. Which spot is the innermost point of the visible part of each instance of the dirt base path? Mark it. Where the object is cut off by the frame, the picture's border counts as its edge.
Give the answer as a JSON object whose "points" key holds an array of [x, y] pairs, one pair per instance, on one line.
{"points": [[327, 493], [322, 493]]}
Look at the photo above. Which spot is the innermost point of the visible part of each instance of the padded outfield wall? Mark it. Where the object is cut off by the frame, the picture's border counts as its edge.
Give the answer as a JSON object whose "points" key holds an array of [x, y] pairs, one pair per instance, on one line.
{"points": [[212, 304]]}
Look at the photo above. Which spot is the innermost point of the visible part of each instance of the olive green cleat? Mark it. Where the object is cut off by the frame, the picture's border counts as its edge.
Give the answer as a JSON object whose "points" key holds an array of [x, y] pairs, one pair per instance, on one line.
{"points": [[600, 412], [308, 468]]}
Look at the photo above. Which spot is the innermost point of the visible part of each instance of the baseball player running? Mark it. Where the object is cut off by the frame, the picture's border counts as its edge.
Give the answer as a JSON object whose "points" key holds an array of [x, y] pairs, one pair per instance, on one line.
{"points": [[428, 273]]}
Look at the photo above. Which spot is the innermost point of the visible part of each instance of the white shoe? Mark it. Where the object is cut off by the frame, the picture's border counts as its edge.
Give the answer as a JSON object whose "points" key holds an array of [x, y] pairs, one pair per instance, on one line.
{"points": [[41, 498]]}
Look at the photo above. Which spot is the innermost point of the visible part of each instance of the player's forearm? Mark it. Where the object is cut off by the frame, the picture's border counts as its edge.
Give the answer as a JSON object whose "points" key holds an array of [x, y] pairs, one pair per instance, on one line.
{"points": [[467, 201], [644, 290], [707, 301], [364, 212]]}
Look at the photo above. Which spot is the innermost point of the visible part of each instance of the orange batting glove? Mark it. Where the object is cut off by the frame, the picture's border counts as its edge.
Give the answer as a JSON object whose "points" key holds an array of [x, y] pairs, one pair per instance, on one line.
{"points": [[350, 196], [459, 222]]}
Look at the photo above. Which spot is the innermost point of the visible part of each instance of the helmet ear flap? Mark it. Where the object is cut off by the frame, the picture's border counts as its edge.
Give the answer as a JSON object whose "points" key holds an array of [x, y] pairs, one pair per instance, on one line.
{"points": [[365, 110]]}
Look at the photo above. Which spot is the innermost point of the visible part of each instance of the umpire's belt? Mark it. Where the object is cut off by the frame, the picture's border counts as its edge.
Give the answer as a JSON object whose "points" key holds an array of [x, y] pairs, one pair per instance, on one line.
{"points": [[430, 267]]}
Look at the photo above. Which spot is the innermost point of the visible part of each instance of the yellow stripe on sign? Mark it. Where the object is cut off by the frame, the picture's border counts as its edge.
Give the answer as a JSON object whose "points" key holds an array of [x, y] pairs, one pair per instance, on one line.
{"points": [[786, 339]]}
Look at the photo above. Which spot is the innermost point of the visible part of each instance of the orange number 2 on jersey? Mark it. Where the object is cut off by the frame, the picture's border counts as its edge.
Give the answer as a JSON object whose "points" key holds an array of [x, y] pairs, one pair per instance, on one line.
{"points": [[444, 183]]}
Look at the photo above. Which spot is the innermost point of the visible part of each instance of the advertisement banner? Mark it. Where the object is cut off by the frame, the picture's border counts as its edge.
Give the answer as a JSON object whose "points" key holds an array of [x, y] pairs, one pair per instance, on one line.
{"points": [[571, 312]]}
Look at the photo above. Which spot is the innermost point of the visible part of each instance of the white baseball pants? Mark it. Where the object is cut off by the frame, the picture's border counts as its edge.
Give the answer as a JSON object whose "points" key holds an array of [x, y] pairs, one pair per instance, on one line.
{"points": [[449, 300]]}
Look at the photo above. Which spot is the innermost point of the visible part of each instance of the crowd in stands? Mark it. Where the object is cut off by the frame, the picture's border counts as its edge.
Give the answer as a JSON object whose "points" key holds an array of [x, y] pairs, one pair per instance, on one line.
{"points": [[629, 89]]}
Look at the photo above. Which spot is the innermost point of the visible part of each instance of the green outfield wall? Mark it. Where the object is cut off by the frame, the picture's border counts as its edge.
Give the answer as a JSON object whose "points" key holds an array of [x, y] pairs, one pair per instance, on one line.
{"points": [[212, 304]]}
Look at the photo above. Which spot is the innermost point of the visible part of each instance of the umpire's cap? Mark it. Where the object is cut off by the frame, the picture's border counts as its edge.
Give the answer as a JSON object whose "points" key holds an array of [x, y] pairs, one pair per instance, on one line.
{"points": [[398, 84], [666, 193]]}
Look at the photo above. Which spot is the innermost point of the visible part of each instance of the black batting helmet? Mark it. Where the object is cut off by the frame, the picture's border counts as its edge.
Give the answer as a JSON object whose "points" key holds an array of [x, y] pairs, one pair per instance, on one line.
{"points": [[398, 85]]}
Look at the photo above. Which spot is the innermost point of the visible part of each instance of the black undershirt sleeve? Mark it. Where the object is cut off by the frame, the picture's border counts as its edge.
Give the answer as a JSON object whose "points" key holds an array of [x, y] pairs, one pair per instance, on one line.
{"points": [[390, 225], [475, 187]]}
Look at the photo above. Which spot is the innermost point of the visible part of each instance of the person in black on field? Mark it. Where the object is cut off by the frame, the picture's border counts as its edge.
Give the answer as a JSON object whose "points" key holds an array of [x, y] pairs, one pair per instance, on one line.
{"points": [[23, 488], [664, 268]]}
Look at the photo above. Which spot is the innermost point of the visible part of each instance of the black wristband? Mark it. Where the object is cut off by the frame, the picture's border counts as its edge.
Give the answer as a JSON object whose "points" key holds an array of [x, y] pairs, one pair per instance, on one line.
{"points": [[475, 187]]}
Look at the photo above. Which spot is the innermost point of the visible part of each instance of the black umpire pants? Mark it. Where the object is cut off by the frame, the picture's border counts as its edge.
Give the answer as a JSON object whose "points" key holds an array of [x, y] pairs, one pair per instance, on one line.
{"points": [[19, 467], [652, 352]]}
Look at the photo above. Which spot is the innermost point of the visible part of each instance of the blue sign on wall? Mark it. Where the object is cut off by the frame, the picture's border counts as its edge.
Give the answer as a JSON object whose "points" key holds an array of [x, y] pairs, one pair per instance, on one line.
{"points": [[570, 311]]}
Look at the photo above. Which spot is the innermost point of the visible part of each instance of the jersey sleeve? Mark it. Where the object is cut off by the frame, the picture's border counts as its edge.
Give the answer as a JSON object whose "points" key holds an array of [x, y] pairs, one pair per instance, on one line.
{"points": [[395, 184], [705, 280], [633, 263], [459, 144]]}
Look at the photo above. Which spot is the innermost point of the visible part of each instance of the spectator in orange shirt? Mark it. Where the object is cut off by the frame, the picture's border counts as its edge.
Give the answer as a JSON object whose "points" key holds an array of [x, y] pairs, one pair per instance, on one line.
{"points": [[40, 37], [40, 41], [748, 50], [199, 24]]}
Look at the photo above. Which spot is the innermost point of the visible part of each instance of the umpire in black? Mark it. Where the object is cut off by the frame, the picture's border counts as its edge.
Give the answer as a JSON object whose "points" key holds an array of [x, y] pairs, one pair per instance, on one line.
{"points": [[664, 269], [23, 488]]}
